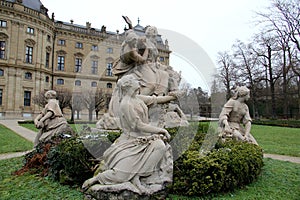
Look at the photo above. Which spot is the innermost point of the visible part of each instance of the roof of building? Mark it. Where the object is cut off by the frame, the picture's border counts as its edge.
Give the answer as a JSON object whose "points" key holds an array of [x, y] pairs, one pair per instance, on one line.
{"points": [[33, 4]]}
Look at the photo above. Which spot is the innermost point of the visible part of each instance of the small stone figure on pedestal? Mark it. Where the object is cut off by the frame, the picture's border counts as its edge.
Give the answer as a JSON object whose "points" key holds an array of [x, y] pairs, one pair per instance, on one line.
{"points": [[50, 121], [234, 113]]}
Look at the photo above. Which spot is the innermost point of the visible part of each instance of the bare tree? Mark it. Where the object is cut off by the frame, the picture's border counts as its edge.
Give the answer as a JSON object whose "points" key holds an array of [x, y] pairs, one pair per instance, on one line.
{"points": [[282, 22], [93, 99], [227, 71], [267, 52], [246, 60], [77, 103], [40, 99], [64, 96]]}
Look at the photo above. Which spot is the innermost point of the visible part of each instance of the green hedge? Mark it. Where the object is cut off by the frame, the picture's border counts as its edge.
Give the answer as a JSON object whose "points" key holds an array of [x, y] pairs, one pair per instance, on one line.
{"points": [[228, 166], [282, 123]]}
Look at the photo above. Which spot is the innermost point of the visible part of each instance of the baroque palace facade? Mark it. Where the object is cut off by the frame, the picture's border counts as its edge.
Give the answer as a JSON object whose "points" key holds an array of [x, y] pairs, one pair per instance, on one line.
{"points": [[39, 53]]}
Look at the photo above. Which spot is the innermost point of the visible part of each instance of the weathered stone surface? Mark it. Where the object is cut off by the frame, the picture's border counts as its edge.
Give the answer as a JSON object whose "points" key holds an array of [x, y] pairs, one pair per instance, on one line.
{"points": [[123, 195], [235, 120]]}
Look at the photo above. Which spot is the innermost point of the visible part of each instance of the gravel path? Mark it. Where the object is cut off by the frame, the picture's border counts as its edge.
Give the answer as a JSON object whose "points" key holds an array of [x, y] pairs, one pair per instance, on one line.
{"points": [[283, 158]]}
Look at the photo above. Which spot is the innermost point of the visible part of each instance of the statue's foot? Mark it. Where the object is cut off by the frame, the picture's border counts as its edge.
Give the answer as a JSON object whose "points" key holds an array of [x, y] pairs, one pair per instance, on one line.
{"points": [[136, 182], [88, 183]]}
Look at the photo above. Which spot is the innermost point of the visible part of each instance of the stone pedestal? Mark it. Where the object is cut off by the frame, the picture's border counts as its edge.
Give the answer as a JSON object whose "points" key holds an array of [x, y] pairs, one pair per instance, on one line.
{"points": [[123, 195]]}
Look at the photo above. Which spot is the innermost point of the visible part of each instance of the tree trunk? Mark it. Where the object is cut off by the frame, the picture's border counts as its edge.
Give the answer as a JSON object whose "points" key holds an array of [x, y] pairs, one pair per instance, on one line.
{"points": [[97, 114], [72, 115], [90, 115], [78, 114], [272, 83], [284, 87]]}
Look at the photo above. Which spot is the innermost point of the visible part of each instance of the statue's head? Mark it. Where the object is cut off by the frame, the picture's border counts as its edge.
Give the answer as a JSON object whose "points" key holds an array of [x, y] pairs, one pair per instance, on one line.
{"points": [[241, 91], [131, 38], [51, 94], [128, 84], [151, 31]]}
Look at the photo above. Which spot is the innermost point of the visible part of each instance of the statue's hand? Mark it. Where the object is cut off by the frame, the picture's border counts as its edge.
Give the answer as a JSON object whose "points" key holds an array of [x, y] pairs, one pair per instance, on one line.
{"points": [[36, 122], [227, 129], [166, 135], [88, 183], [39, 125]]}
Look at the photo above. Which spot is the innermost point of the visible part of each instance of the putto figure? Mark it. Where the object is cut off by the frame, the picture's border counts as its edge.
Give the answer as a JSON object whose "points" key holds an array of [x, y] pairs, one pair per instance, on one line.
{"points": [[235, 120], [50, 121]]}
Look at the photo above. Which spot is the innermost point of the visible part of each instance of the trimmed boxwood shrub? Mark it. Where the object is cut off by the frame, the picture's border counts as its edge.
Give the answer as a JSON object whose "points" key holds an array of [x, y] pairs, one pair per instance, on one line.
{"points": [[70, 162], [278, 122], [228, 166]]}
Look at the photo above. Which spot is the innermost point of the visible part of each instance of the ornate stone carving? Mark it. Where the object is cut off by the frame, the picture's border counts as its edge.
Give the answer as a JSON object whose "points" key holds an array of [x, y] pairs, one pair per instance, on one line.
{"points": [[142, 105]]}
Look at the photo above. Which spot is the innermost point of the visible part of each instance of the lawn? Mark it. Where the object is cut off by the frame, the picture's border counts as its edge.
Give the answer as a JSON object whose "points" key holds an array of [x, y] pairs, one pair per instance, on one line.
{"points": [[30, 186], [11, 142], [279, 179], [278, 140]]}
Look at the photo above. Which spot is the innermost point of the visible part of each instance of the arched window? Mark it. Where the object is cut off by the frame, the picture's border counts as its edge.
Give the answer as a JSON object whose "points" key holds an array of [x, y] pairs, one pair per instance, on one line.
{"points": [[60, 81], [94, 84], [47, 79], [78, 83], [108, 85], [28, 75]]}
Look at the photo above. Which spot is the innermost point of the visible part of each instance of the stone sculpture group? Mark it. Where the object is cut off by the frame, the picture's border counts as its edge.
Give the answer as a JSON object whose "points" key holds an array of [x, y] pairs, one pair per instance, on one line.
{"points": [[143, 104]]}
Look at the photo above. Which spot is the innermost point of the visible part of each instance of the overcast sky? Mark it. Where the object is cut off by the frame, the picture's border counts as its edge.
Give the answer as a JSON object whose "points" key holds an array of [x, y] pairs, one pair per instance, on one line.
{"points": [[213, 25]]}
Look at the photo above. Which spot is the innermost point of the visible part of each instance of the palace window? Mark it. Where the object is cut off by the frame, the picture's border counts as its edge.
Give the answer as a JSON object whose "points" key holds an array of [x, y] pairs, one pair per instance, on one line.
{"points": [[79, 45], [1, 72], [3, 23], [28, 75], [60, 81], [94, 84], [108, 85], [27, 98], [47, 60], [61, 42], [61, 63], [1, 95], [109, 50], [94, 47], [78, 83], [47, 79], [28, 54], [2, 49], [94, 67], [78, 64], [30, 30], [48, 38], [109, 69]]}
